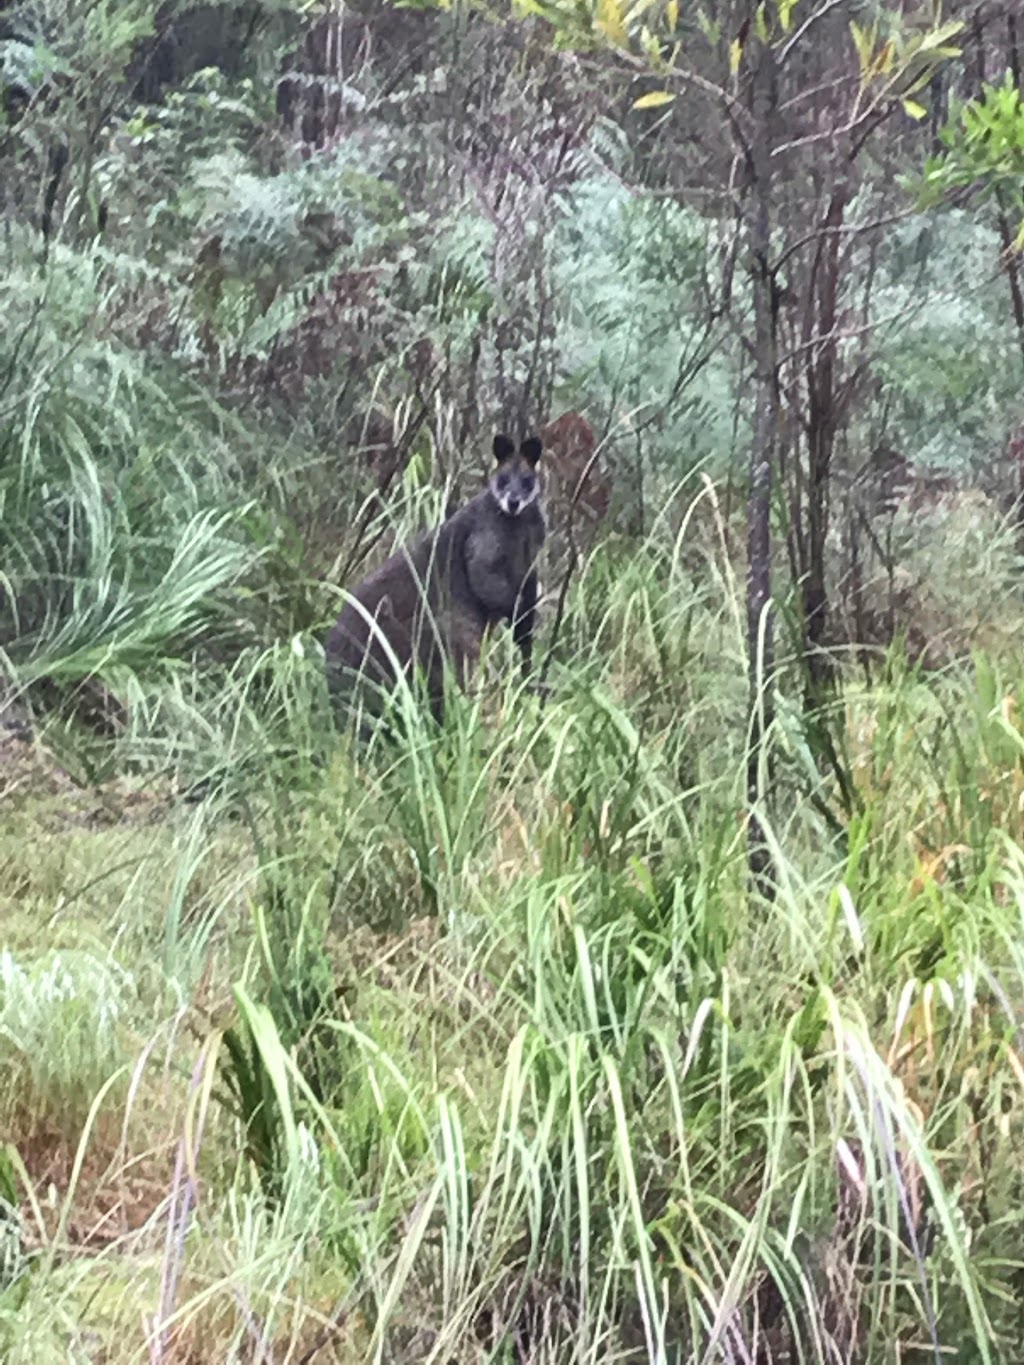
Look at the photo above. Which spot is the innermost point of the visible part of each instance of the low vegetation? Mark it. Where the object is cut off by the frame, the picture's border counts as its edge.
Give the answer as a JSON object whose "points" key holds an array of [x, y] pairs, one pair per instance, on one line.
{"points": [[476, 1043]]}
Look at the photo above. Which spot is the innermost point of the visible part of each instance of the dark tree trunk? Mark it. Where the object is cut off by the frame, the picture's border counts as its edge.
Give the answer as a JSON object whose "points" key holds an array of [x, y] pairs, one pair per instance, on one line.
{"points": [[763, 451], [821, 436], [1006, 235]]}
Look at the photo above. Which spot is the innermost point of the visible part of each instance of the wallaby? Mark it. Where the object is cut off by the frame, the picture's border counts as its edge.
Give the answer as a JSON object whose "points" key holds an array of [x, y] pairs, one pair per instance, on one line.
{"points": [[432, 602]]}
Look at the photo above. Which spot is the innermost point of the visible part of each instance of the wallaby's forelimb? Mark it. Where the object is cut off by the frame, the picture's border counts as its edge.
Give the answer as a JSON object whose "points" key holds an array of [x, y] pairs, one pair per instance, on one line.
{"points": [[525, 619]]}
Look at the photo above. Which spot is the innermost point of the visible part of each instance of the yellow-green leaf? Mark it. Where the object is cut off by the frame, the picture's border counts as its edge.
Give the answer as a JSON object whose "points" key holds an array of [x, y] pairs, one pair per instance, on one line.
{"points": [[651, 45], [735, 53], [786, 8], [610, 22], [938, 37], [654, 100], [672, 15], [915, 110], [863, 41]]}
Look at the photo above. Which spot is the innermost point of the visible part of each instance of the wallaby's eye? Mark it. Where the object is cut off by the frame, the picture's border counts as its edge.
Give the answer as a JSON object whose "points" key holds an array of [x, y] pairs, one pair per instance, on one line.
{"points": [[502, 482], [528, 483]]}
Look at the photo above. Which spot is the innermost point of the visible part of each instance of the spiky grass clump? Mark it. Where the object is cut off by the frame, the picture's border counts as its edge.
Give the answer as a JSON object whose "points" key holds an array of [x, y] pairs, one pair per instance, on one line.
{"points": [[61, 1022]]}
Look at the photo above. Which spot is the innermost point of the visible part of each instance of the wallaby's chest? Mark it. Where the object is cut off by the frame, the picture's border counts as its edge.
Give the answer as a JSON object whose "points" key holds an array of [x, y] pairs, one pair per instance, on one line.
{"points": [[508, 545], [477, 553]]}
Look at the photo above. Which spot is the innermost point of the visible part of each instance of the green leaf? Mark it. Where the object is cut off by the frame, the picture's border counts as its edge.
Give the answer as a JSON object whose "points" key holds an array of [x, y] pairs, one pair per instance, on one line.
{"points": [[711, 30], [786, 8], [8, 1178], [915, 110], [653, 100]]}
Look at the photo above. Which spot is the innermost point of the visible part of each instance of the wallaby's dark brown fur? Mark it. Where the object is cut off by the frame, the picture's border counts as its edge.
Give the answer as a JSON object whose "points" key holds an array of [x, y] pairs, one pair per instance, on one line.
{"points": [[433, 601]]}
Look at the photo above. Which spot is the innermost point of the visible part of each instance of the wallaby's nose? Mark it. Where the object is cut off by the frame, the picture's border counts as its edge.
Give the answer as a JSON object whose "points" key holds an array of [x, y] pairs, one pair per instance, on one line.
{"points": [[513, 506]]}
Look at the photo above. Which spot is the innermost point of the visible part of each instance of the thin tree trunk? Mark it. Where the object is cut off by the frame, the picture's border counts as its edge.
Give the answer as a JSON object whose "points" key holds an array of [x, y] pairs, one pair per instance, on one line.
{"points": [[1012, 271], [1010, 256], [821, 435], [763, 452]]}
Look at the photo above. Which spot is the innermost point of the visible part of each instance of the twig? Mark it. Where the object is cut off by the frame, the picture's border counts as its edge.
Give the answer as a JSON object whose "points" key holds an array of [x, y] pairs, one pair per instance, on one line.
{"points": [[184, 1195], [574, 558]]}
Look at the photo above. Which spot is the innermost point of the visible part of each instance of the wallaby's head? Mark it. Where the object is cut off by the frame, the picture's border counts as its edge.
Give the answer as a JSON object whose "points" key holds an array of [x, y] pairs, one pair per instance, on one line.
{"points": [[515, 483]]}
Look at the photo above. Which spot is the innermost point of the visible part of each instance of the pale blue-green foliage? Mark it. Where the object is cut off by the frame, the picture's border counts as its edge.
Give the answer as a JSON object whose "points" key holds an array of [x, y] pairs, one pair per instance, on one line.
{"points": [[457, 259], [147, 171], [628, 269], [410, 266], [946, 349], [258, 217], [185, 170], [18, 64]]}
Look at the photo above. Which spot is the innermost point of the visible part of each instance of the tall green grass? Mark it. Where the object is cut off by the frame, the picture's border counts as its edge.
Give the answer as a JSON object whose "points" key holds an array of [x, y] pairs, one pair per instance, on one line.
{"points": [[142, 531], [473, 1045]]}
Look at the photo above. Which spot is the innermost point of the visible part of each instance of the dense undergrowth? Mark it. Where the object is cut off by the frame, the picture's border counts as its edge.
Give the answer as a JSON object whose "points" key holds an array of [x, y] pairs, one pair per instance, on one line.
{"points": [[475, 1045]]}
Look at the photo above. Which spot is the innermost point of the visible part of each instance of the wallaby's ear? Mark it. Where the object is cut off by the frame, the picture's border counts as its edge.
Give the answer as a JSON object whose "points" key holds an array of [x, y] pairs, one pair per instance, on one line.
{"points": [[530, 450], [504, 448]]}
